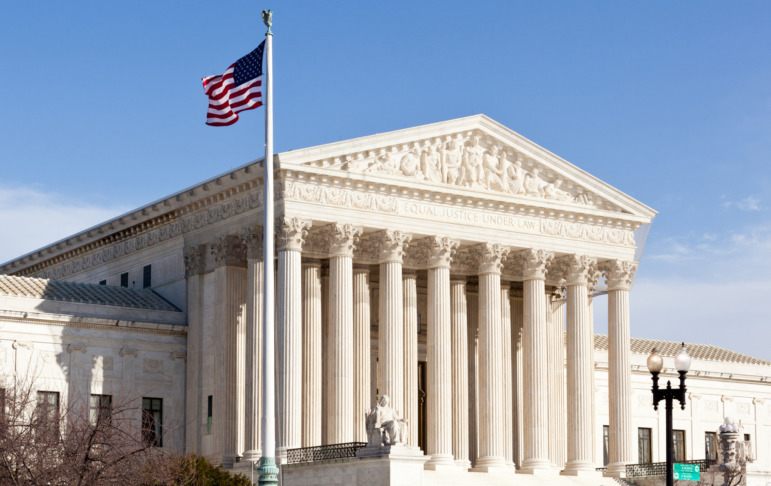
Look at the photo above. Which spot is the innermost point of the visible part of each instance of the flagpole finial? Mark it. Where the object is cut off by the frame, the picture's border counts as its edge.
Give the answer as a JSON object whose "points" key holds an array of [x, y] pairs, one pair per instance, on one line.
{"points": [[267, 19]]}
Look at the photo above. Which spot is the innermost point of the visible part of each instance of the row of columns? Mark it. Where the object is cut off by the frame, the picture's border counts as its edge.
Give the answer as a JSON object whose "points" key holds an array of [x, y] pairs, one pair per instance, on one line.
{"points": [[463, 385]]}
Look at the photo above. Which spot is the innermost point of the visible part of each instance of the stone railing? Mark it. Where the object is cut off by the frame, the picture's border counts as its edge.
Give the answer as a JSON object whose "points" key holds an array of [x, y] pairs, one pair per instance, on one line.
{"points": [[660, 468], [323, 453]]}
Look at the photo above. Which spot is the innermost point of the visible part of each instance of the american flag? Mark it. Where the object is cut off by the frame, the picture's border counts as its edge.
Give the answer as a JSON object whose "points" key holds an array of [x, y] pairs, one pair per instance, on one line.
{"points": [[239, 89]]}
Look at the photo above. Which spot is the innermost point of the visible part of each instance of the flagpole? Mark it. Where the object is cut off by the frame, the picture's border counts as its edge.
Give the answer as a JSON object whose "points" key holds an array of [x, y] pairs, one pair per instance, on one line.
{"points": [[268, 470]]}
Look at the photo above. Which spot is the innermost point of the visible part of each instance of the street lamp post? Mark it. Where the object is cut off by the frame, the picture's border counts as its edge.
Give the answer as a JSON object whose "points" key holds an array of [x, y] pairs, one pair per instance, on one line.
{"points": [[682, 364]]}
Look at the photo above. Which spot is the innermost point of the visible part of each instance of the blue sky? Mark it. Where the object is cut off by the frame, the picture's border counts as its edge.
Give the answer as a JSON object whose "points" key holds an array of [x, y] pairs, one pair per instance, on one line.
{"points": [[103, 111]]}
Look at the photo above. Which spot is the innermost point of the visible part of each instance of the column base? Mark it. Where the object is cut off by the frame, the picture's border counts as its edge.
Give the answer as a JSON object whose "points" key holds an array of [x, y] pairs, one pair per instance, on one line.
{"points": [[229, 460], [463, 464], [441, 462], [583, 469], [538, 466], [616, 470], [490, 464], [252, 456]]}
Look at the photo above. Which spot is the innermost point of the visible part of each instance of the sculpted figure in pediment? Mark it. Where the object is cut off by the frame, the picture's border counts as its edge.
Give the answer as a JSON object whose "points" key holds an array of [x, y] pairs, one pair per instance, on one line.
{"points": [[553, 191], [472, 162], [410, 164], [431, 165], [384, 164], [453, 163], [515, 177], [533, 183], [493, 169]]}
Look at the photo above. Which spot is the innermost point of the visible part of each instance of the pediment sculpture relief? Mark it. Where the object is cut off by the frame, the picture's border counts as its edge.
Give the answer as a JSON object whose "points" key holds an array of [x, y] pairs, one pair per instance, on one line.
{"points": [[467, 160]]}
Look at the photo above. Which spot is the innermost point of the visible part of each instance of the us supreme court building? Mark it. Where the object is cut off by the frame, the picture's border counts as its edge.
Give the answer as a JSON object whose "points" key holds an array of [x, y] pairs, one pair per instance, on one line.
{"points": [[453, 267]]}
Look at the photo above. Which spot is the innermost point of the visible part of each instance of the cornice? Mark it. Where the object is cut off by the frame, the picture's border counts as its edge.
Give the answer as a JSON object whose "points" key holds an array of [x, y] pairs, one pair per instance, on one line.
{"points": [[85, 323], [189, 207]]}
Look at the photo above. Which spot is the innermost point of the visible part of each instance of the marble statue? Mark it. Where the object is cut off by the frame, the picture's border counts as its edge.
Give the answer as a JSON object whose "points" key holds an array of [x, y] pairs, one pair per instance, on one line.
{"points": [[384, 425]]}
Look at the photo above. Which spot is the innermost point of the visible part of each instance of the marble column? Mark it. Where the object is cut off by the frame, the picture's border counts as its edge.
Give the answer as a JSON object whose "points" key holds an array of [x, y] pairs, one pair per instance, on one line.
{"points": [[252, 239], [362, 396], [518, 352], [341, 238], [491, 376], [290, 233], [325, 381], [472, 315], [622, 451], [391, 316], [536, 427], [195, 259], [311, 343], [438, 354], [230, 302], [555, 329], [410, 413], [580, 367], [508, 423], [460, 393]]}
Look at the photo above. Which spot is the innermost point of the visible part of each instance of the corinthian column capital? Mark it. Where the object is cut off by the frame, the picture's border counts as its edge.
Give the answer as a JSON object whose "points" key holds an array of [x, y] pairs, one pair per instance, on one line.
{"points": [[252, 240], [535, 263], [341, 238], [490, 257], [392, 244], [228, 250], [619, 273], [195, 259], [440, 251], [578, 269], [291, 232]]}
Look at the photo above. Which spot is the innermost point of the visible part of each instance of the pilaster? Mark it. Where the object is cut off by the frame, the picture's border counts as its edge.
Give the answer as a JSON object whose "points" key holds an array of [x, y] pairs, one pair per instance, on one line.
{"points": [[195, 257], [252, 239], [508, 419], [230, 299]]}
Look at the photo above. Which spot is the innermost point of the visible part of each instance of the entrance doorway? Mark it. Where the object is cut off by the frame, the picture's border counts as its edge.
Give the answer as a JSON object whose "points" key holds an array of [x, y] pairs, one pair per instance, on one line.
{"points": [[422, 405]]}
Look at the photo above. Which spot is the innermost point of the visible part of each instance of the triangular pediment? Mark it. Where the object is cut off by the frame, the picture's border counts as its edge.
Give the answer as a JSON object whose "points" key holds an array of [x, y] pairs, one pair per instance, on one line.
{"points": [[473, 154]]}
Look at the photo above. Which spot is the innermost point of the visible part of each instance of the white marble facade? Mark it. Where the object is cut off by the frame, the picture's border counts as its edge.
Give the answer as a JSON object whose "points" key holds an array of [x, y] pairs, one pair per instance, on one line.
{"points": [[461, 245]]}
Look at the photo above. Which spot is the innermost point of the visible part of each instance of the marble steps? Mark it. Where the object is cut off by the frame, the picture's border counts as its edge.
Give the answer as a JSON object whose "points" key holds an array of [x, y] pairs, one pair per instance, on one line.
{"points": [[449, 478]]}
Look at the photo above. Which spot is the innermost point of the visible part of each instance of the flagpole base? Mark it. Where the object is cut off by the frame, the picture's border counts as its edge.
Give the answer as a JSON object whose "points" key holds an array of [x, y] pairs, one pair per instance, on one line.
{"points": [[268, 471]]}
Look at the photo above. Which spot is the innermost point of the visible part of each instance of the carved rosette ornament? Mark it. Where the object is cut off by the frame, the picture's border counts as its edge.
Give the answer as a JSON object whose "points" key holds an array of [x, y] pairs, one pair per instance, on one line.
{"points": [[440, 251], [490, 257], [252, 238], [195, 259], [341, 238], [228, 251], [392, 244], [619, 273], [290, 233], [535, 263]]}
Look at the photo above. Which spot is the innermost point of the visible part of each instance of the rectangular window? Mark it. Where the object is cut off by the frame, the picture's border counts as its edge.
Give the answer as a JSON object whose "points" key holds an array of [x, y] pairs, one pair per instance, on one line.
{"points": [[124, 279], [605, 444], [152, 421], [147, 276], [100, 409], [47, 411], [644, 445], [710, 446], [209, 410], [679, 439], [103, 282]]}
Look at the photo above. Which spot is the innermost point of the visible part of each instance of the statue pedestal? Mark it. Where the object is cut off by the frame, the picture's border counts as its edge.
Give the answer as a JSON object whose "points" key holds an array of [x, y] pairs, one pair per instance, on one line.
{"points": [[395, 465]]}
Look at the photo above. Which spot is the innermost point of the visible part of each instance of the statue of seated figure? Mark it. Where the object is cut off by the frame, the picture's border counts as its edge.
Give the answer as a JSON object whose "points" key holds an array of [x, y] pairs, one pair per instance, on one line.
{"points": [[384, 425]]}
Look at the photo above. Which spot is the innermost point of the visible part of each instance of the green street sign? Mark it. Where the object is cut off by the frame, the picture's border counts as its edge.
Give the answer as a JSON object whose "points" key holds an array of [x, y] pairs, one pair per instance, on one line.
{"points": [[687, 472]]}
